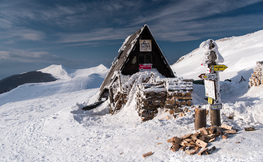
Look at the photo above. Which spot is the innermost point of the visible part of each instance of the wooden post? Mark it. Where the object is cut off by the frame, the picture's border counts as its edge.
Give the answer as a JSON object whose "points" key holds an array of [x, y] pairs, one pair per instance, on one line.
{"points": [[212, 85], [215, 117], [200, 118]]}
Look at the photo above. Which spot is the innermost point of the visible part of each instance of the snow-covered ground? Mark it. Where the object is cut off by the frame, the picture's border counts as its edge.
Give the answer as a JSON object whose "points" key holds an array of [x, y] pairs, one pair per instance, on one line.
{"points": [[44, 121]]}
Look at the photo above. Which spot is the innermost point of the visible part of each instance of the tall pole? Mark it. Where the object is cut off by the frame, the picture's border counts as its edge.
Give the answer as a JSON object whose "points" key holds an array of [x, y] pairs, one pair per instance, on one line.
{"points": [[211, 78], [215, 117]]}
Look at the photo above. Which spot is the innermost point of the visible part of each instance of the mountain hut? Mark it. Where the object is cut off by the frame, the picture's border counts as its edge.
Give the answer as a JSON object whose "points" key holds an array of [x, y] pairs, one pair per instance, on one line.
{"points": [[139, 51]]}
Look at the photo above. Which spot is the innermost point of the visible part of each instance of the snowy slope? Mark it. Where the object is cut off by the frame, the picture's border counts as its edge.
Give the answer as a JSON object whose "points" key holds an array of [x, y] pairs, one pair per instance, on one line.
{"points": [[44, 122], [240, 55], [69, 81]]}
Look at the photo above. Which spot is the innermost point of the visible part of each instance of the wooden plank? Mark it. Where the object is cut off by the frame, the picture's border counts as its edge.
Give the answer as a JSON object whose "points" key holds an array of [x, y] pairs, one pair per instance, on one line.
{"points": [[187, 136], [184, 143], [194, 137], [170, 140], [183, 97], [200, 143], [213, 130], [225, 135], [250, 129], [226, 126], [211, 140], [191, 152], [230, 131], [202, 151], [209, 151], [203, 131], [147, 154], [175, 147], [174, 140]]}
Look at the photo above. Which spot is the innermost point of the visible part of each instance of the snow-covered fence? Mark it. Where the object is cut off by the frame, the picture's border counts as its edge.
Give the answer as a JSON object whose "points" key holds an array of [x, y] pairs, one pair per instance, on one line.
{"points": [[256, 78]]}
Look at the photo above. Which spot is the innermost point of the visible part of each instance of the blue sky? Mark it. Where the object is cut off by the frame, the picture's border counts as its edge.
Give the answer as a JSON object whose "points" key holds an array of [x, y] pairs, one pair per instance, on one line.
{"points": [[80, 34]]}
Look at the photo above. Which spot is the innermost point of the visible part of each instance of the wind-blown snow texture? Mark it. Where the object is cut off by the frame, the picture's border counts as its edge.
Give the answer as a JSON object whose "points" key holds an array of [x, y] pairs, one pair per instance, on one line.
{"points": [[44, 121]]}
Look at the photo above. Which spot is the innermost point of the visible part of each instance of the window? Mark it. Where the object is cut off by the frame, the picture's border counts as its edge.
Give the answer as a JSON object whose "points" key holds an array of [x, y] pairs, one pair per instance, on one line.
{"points": [[134, 60], [145, 58]]}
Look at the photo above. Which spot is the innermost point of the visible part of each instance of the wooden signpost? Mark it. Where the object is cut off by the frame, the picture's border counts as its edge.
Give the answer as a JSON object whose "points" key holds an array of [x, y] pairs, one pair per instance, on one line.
{"points": [[211, 80]]}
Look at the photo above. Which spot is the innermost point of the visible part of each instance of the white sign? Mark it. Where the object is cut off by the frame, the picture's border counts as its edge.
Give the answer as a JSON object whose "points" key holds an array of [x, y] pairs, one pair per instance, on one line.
{"points": [[145, 45], [210, 89]]}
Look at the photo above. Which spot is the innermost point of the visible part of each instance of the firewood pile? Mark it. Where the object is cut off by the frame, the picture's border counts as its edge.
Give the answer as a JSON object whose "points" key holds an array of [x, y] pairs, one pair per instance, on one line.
{"points": [[120, 89], [152, 92], [118, 97], [170, 94], [197, 142], [150, 96], [179, 93], [256, 78]]}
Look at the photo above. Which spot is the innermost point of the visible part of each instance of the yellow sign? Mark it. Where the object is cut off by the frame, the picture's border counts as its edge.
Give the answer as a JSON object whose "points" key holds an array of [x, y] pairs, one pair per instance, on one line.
{"points": [[219, 67], [210, 100]]}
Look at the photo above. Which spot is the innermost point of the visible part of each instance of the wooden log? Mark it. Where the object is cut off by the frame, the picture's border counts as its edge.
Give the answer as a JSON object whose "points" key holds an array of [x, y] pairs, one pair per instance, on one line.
{"points": [[250, 129], [175, 147], [213, 130], [200, 143], [184, 143], [171, 112], [203, 131], [209, 151], [174, 140], [226, 126], [147, 154], [188, 103], [230, 131], [189, 140], [183, 97], [194, 137], [182, 114], [194, 151], [215, 117], [225, 135], [187, 136], [200, 118], [170, 140], [202, 152], [211, 139]]}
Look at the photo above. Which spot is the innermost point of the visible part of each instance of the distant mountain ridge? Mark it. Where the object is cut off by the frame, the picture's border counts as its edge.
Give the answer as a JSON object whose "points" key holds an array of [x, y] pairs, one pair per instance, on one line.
{"points": [[14, 81], [82, 78]]}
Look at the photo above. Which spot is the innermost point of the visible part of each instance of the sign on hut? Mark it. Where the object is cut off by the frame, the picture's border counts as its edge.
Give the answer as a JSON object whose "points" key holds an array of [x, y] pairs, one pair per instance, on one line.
{"points": [[140, 68]]}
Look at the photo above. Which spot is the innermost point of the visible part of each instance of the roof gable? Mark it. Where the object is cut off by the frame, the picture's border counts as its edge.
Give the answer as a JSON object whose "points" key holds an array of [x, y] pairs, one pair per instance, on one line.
{"points": [[125, 51]]}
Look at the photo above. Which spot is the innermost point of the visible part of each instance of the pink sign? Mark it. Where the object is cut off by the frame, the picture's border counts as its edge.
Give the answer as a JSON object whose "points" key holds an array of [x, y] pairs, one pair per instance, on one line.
{"points": [[145, 66]]}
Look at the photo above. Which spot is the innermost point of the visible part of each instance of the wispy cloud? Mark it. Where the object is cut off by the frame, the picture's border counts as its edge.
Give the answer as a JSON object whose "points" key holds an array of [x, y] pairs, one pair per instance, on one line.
{"points": [[23, 56], [113, 19], [182, 20], [100, 34]]}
